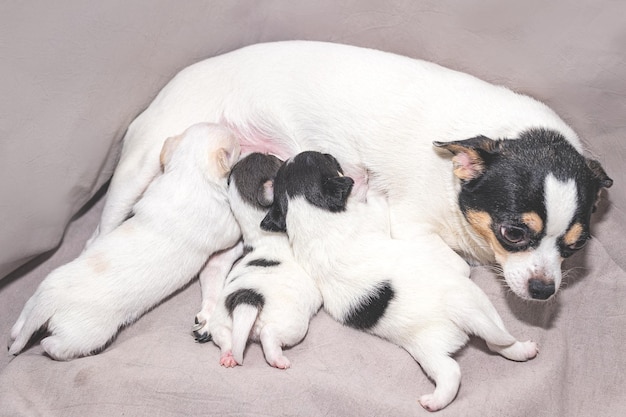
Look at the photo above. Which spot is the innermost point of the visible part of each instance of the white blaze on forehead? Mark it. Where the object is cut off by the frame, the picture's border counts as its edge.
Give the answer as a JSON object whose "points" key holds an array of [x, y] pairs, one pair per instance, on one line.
{"points": [[561, 200]]}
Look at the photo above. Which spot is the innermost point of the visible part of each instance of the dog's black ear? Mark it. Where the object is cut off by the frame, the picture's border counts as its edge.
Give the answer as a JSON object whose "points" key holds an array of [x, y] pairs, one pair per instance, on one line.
{"points": [[598, 173], [336, 192], [471, 156], [274, 220]]}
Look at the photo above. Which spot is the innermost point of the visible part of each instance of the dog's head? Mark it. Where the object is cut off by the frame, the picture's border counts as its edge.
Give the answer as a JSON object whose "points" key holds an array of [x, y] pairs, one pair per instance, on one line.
{"points": [[531, 200], [212, 148], [315, 176], [253, 179]]}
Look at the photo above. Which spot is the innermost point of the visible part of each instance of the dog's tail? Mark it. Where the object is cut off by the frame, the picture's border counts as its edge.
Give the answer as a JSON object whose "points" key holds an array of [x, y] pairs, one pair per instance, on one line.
{"points": [[244, 306]]}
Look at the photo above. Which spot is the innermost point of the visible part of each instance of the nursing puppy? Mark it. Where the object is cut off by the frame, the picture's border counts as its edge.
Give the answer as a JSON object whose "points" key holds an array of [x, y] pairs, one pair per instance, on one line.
{"points": [[268, 296], [181, 219], [507, 181], [413, 295]]}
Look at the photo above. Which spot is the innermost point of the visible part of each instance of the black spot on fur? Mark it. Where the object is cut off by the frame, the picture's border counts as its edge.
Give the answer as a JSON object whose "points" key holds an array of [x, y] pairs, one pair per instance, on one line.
{"points": [[244, 296], [246, 250], [263, 262], [370, 308]]}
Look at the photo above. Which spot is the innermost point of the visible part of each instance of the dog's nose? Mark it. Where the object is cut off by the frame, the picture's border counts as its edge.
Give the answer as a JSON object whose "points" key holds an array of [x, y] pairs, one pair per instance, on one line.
{"points": [[540, 290]]}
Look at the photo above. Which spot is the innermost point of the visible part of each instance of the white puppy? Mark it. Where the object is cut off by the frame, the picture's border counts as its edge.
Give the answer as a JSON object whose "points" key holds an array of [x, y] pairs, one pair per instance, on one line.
{"points": [[268, 296], [172, 231], [408, 293]]}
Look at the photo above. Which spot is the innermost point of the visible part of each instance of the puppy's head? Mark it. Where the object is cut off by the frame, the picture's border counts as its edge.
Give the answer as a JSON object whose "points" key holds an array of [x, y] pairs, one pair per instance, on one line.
{"points": [[315, 176], [531, 199], [252, 179], [210, 147]]}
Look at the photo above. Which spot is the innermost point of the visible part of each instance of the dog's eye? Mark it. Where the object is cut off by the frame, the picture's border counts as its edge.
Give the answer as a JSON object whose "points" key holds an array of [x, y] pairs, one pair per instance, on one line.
{"points": [[514, 235], [578, 245]]}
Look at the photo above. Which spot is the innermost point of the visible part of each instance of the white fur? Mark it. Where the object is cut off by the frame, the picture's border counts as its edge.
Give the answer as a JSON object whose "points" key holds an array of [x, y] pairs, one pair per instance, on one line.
{"points": [[291, 296], [150, 255], [434, 306], [372, 110]]}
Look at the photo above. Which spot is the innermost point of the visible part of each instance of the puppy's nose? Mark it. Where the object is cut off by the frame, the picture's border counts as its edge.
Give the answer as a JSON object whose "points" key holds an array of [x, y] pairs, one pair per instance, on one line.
{"points": [[540, 290]]}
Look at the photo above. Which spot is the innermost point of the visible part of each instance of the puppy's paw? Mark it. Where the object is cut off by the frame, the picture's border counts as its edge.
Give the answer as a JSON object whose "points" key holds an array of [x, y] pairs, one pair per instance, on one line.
{"points": [[281, 362], [227, 360], [201, 329], [518, 351], [430, 402]]}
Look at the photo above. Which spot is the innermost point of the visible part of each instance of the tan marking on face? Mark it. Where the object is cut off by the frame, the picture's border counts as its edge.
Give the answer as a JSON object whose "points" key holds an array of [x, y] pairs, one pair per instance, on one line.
{"points": [[573, 234], [533, 221], [481, 223]]}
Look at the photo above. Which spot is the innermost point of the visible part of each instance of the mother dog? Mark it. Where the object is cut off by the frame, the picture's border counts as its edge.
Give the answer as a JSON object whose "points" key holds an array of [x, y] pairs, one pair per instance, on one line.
{"points": [[506, 180]]}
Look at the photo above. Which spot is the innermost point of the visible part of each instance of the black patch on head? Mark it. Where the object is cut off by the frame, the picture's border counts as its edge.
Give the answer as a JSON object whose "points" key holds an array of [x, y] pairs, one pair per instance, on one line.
{"points": [[513, 179], [244, 296], [370, 308], [315, 176], [250, 175], [265, 263]]}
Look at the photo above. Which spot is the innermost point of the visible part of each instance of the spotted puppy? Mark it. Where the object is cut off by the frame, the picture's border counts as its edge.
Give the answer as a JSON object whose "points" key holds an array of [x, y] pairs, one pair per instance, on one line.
{"points": [[413, 295], [165, 242], [267, 296]]}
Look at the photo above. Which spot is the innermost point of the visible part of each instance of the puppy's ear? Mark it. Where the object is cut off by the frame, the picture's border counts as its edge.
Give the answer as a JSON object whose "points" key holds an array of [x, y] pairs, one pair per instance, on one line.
{"points": [[275, 220], [265, 196], [336, 192], [598, 173], [471, 156], [225, 160], [167, 151]]}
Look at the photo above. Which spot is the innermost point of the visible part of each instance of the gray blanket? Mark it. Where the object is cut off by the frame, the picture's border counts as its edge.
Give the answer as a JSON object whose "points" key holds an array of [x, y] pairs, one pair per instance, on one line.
{"points": [[75, 74]]}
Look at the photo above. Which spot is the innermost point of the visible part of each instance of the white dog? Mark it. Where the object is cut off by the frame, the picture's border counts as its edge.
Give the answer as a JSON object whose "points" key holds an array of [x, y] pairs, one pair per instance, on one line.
{"points": [[182, 218], [408, 293], [509, 200], [268, 296]]}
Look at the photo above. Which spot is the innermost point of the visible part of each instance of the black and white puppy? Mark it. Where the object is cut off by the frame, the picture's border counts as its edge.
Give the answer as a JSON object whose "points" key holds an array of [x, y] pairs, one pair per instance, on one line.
{"points": [[268, 296], [407, 292]]}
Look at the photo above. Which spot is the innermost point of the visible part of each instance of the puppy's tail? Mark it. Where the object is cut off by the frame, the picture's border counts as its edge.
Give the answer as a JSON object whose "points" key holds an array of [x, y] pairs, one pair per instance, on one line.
{"points": [[244, 306], [244, 316]]}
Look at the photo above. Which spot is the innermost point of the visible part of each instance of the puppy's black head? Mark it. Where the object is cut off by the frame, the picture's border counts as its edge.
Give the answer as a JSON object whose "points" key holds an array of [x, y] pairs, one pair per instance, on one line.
{"points": [[315, 176], [253, 177], [531, 199]]}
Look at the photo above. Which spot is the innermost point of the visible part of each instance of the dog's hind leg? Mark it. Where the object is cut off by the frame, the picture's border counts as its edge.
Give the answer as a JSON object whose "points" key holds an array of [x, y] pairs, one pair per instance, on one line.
{"points": [[272, 348], [432, 351], [212, 279]]}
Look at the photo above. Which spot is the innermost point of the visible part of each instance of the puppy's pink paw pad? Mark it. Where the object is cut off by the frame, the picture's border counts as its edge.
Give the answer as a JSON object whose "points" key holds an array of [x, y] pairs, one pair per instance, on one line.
{"points": [[531, 349], [430, 403], [227, 360], [281, 363]]}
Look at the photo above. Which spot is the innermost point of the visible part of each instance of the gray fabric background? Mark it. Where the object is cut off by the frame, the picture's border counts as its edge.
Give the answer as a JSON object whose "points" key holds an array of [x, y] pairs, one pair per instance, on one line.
{"points": [[73, 74]]}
